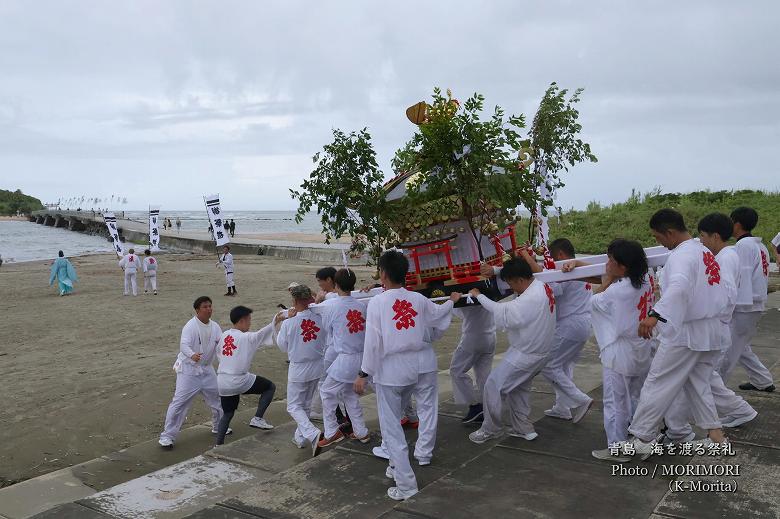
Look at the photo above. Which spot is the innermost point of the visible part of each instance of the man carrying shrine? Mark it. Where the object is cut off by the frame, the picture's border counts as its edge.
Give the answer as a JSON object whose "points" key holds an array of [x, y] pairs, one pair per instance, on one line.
{"points": [[194, 371], [714, 232], [690, 332], [345, 324], [150, 272], [751, 302], [227, 263], [529, 320], [236, 349], [130, 263], [302, 335], [399, 356]]}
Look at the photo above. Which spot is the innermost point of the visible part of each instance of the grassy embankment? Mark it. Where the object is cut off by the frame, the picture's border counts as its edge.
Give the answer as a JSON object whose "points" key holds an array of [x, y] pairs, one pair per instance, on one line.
{"points": [[592, 229]]}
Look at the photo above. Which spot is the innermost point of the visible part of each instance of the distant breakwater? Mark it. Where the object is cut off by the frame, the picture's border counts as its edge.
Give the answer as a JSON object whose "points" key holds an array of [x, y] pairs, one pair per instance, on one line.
{"points": [[90, 222]]}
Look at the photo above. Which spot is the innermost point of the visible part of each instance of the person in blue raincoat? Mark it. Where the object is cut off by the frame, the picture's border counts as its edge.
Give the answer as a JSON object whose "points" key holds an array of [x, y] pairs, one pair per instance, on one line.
{"points": [[63, 271]]}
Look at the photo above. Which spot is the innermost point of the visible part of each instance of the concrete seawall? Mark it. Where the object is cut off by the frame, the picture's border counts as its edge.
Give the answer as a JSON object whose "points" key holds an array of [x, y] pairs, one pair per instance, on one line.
{"points": [[136, 232]]}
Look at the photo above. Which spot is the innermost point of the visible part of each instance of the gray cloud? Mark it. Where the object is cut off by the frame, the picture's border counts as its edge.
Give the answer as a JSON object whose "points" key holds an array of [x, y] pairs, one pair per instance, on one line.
{"points": [[193, 97]]}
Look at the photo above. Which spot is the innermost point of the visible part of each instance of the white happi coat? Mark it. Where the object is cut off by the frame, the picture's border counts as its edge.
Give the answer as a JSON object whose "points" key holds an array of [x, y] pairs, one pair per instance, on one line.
{"points": [[399, 327], [150, 266], [616, 313], [235, 352], [529, 320], [345, 323], [303, 338], [693, 299], [730, 274], [130, 263], [572, 309], [754, 274], [227, 262], [192, 343]]}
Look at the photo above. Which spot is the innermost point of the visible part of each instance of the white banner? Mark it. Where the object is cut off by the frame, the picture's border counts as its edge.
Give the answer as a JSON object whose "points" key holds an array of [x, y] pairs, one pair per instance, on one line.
{"points": [[221, 236], [110, 220], [154, 228]]}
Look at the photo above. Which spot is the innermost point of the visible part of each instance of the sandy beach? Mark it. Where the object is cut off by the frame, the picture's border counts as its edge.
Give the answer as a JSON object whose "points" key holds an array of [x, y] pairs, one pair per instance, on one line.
{"points": [[90, 373]]}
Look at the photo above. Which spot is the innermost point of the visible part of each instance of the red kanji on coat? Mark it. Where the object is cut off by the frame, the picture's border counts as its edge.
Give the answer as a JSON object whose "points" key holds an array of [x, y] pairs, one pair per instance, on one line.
{"points": [[645, 304], [151, 261], [764, 264], [131, 258], [588, 287], [309, 330], [355, 321], [550, 297], [712, 270], [229, 346], [404, 314]]}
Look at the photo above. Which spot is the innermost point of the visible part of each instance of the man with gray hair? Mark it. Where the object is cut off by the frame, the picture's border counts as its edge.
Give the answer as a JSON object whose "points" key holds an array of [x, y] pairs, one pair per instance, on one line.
{"points": [[303, 337]]}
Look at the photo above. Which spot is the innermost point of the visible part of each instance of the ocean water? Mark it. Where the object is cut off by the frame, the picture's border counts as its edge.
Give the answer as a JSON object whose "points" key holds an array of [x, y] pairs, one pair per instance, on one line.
{"points": [[27, 241]]}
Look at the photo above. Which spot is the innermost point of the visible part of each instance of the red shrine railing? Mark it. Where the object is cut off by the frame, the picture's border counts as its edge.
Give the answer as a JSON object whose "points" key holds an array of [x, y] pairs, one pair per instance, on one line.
{"points": [[454, 273]]}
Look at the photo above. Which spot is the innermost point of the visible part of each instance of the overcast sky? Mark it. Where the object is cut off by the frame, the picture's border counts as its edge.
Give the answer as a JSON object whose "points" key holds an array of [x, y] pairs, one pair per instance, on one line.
{"points": [[163, 102]]}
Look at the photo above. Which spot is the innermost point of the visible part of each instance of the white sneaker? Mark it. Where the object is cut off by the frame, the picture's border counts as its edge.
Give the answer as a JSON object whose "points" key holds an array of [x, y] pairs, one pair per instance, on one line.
{"points": [[390, 473], [229, 431], [644, 449], [260, 423], [578, 413], [736, 422], [315, 416], [480, 436], [299, 445], [400, 495], [381, 452], [556, 412], [606, 455], [526, 436], [424, 462], [165, 442]]}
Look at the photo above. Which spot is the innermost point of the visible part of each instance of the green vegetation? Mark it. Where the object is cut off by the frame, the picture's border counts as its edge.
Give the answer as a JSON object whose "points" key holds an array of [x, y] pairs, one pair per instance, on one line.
{"points": [[592, 229], [13, 201]]}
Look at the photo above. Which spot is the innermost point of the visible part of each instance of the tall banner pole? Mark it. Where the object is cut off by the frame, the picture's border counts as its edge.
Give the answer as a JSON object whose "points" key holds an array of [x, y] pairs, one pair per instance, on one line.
{"points": [[154, 228], [110, 220]]}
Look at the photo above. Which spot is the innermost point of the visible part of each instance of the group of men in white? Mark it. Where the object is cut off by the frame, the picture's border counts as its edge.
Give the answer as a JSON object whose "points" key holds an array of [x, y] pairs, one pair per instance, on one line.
{"points": [[664, 362], [131, 264]]}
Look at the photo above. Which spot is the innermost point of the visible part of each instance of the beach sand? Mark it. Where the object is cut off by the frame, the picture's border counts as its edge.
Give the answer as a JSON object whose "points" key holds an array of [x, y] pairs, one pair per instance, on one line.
{"points": [[88, 374]]}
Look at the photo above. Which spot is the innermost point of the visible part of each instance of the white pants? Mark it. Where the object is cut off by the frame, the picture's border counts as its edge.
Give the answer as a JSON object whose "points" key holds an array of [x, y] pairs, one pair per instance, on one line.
{"points": [[743, 329], [473, 351], [299, 395], [513, 384], [727, 403], [229, 279], [621, 397], [187, 388], [676, 369], [559, 371], [334, 392], [150, 281], [391, 408], [130, 281]]}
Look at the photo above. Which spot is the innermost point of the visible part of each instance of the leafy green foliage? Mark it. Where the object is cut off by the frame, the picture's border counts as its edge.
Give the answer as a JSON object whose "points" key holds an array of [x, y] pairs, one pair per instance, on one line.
{"points": [[480, 161], [591, 230], [346, 188], [13, 201]]}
